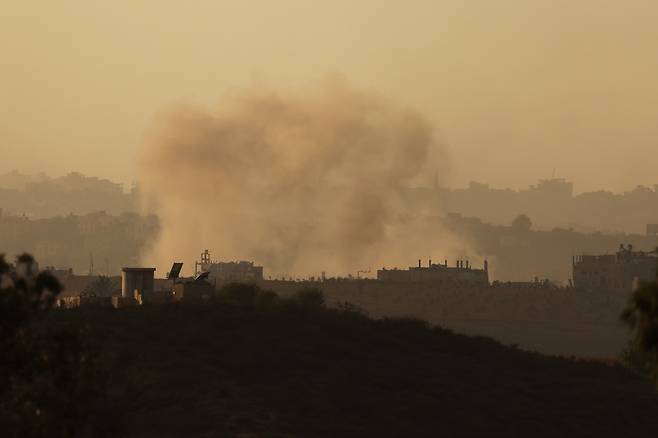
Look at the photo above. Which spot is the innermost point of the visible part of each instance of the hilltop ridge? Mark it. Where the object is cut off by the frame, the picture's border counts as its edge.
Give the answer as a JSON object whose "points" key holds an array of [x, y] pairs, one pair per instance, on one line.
{"points": [[279, 369]]}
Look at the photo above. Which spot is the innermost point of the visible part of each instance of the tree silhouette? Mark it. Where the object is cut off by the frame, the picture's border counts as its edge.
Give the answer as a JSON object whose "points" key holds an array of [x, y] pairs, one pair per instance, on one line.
{"points": [[522, 223], [641, 315], [48, 381], [101, 287], [308, 297]]}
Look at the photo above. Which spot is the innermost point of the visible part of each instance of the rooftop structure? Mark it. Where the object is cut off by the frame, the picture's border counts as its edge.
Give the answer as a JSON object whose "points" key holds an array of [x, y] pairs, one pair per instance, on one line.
{"points": [[136, 279], [441, 274], [223, 272], [617, 272], [554, 187]]}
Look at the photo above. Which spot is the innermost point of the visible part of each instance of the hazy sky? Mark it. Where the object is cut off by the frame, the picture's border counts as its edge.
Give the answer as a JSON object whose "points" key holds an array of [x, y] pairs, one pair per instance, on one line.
{"points": [[515, 88]]}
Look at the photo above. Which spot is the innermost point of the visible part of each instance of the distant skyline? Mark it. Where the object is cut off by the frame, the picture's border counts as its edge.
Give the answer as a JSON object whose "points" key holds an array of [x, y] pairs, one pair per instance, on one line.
{"points": [[514, 88], [429, 184]]}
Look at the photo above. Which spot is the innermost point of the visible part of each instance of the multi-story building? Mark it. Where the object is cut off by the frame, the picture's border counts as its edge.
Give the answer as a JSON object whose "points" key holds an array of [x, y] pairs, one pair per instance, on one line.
{"points": [[225, 272], [440, 274], [652, 229], [617, 272]]}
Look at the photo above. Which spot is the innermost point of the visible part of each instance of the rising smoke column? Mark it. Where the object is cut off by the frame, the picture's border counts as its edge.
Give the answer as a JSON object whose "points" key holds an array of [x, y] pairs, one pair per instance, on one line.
{"points": [[300, 182]]}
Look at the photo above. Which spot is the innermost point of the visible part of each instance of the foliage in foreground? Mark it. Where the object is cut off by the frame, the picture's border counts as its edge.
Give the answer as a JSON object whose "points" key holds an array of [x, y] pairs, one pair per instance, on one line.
{"points": [[48, 382], [251, 295], [229, 366], [641, 315]]}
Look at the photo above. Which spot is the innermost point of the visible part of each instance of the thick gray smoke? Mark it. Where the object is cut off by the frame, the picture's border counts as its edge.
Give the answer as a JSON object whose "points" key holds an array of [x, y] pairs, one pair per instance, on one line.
{"points": [[301, 182]]}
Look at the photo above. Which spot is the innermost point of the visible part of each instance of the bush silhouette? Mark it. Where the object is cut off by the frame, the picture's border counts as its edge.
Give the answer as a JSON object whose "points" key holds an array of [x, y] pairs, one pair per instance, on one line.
{"points": [[243, 294], [522, 223], [308, 298], [641, 315], [266, 298], [101, 287], [348, 308], [48, 381], [248, 295]]}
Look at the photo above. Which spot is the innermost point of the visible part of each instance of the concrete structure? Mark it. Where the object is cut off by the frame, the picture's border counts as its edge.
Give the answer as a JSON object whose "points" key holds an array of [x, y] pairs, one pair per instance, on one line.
{"points": [[652, 229], [136, 279], [72, 302], [614, 272], [120, 302], [226, 272], [438, 274], [192, 291], [74, 285]]}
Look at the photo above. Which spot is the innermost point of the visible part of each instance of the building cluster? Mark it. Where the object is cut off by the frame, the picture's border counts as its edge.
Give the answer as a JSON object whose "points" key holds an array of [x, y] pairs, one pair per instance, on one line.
{"points": [[226, 272], [138, 285], [133, 287], [95, 243], [40, 196], [550, 203], [440, 274], [621, 271]]}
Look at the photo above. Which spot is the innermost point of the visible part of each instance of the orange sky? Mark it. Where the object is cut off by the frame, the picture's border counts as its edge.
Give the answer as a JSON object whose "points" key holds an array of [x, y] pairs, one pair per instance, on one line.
{"points": [[515, 88]]}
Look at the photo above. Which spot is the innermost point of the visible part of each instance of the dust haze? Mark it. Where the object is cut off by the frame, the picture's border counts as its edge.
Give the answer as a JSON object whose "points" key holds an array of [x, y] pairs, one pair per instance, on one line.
{"points": [[302, 181], [545, 84]]}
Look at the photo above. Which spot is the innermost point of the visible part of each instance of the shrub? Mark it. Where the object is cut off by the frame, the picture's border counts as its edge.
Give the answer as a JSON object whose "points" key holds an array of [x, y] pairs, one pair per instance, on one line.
{"points": [[243, 294], [101, 287], [308, 298], [266, 298], [248, 295], [641, 315], [48, 380], [351, 309], [522, 223], [640, 361]]}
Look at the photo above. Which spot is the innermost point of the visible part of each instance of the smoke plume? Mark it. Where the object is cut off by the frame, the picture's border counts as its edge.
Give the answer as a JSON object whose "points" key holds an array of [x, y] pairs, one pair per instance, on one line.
{"points": [[301, 182]]}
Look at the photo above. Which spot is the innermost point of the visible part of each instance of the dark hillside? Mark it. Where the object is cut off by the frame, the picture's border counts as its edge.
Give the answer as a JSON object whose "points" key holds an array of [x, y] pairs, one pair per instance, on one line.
{"points": [[279, 370]]}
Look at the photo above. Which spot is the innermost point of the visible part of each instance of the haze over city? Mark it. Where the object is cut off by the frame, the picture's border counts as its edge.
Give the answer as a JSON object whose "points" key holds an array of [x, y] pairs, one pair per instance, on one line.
{"points": [[515, 90], [329, 219]]}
